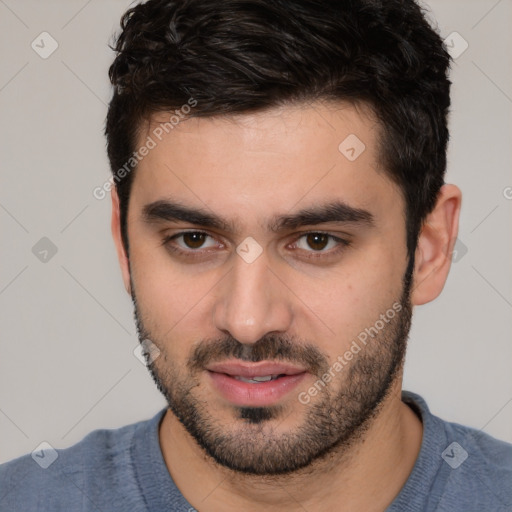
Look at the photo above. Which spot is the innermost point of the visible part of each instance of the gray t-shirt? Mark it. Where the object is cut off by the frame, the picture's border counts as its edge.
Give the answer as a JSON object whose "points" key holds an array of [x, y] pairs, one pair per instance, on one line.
{"points": [[458, 469]]}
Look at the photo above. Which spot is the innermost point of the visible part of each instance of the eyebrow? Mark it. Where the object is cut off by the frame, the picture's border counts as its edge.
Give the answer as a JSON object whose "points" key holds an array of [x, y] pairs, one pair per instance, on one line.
{"points": [[164, 210], [335, 212]]}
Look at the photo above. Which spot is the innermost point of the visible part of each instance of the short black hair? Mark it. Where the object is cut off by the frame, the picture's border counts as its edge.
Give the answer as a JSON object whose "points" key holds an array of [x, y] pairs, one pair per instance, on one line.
{"points": [[241, 56]]}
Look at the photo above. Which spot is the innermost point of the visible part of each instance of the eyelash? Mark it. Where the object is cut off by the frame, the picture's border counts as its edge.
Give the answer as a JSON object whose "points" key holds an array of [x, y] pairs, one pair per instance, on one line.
{"points": [[342, 244], [198, 253]]}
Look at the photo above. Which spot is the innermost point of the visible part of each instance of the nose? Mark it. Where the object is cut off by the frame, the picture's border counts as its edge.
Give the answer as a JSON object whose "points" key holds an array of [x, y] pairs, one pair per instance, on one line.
{"points": [[252, 302]]}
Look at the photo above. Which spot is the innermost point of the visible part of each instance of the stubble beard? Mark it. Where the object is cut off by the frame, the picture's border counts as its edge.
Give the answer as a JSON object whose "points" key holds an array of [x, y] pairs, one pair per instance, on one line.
{"points": [[250, 441]]}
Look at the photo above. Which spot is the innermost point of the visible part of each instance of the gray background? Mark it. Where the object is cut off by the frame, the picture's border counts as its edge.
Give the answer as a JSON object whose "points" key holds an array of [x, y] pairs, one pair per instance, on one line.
{"points": [[67, 336]]}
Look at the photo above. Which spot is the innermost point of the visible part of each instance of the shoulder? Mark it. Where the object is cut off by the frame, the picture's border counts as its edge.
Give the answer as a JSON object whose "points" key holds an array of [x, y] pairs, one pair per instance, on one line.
{"points": [[479, 467], [75, 478], [471, 469]]}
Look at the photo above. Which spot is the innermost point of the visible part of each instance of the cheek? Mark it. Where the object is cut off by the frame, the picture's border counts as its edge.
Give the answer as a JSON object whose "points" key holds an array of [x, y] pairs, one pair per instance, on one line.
{"points": [[351, 298], [173, 302]]}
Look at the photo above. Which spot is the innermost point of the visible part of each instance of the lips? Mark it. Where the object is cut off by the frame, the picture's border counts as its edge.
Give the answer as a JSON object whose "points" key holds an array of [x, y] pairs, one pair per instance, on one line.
{"points": [[250, 370], [254, 384], [257, 378]]}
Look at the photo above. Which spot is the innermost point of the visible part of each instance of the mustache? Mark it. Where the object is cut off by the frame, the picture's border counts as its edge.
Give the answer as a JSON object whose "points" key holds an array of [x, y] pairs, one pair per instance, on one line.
{"points": [[269, 348]]}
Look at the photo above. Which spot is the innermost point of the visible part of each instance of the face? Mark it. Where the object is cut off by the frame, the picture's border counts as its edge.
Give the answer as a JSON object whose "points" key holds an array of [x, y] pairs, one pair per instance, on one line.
{"points": [[267, 265]]}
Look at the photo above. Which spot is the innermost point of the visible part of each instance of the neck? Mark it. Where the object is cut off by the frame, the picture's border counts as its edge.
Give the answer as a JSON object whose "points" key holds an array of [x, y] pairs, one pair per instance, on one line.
{"points": [[365, 476]]}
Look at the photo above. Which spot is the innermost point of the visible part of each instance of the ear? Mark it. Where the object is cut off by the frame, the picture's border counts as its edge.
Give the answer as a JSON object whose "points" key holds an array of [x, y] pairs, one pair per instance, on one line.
{"points": [[433, 256], [118, 240]]}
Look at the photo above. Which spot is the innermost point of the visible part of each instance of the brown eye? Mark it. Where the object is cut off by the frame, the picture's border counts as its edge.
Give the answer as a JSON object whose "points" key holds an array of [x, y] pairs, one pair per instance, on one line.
{"points": [[194, 240], [317, 241], [191, 242]]}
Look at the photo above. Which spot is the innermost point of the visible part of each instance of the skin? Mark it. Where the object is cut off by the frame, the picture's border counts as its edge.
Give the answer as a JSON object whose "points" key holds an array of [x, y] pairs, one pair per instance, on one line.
{"points": [[248, 169]]}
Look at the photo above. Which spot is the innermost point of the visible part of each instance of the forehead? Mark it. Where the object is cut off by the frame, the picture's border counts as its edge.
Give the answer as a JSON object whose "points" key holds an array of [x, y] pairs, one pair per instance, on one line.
{"points": [[266, 163], [303, 129]]}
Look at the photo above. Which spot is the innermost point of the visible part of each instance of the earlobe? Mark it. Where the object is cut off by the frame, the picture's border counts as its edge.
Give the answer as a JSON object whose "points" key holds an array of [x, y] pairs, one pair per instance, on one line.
{"points": [[435, 245], [118, 240]]}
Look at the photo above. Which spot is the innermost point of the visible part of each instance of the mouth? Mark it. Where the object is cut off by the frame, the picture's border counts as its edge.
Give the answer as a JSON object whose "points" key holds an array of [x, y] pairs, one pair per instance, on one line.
{"points": [[256, 379], [254, 384]]}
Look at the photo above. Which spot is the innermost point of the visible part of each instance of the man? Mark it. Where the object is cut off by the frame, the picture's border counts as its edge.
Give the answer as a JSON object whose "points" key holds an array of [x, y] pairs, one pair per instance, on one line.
{"points": [[279, 208]]}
